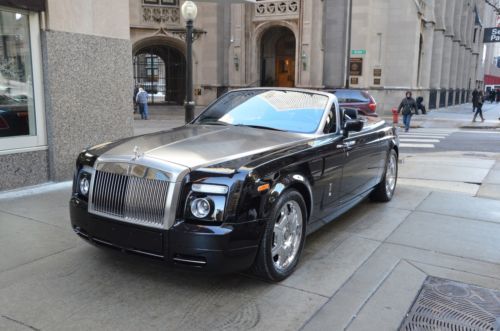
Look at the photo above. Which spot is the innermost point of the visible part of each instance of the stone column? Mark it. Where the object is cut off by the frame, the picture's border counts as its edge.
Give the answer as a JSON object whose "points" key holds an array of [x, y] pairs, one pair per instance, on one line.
{"points": [[336, 20], [447, 52], [426, 65]]}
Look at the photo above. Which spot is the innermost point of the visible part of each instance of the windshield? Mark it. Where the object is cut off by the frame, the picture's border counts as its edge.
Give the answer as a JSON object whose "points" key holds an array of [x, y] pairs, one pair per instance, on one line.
{"points": [[292, 111]]}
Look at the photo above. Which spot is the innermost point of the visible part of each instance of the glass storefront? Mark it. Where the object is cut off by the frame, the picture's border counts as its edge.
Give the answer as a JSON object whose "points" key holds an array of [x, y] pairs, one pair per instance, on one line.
{"points": [[17, 107]]}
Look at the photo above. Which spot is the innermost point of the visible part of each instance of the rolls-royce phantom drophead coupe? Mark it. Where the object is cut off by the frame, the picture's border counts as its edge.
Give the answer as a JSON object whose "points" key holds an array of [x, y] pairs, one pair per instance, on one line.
{"points": [[239, 187]]}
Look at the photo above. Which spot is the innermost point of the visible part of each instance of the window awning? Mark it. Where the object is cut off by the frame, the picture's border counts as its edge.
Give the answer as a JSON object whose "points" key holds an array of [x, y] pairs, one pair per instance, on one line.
{"points": [[33, 5]]}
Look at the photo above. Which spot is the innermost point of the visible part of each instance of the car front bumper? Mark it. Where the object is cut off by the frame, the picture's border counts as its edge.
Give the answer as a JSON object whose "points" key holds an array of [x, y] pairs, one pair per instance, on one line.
{"points": [[215, 249]]}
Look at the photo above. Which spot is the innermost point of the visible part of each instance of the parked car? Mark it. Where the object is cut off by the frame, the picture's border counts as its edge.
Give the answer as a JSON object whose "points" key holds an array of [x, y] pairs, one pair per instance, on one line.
{"points": [[361, 100], [13, 117], [239, 187]]}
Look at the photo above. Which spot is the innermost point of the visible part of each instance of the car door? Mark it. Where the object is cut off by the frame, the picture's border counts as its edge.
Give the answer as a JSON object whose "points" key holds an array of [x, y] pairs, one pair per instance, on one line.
{"points": [[333, 157], [362, 163]]}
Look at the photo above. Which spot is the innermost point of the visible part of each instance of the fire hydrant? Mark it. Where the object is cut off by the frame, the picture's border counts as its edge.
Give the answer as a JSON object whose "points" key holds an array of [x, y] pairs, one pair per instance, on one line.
{"points": [[395, 116]]}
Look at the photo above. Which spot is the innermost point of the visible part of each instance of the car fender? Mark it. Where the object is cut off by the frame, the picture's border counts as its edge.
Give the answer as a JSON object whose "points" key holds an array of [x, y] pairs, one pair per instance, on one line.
{"points": [[295, 181]]}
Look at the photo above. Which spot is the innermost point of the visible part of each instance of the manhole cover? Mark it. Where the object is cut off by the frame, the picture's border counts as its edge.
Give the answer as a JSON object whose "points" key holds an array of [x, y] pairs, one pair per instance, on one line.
{"points": [[446, 305]]}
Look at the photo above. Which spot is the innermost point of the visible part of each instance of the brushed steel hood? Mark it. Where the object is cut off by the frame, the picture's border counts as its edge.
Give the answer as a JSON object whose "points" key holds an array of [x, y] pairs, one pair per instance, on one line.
{"points": [[195, 146]]}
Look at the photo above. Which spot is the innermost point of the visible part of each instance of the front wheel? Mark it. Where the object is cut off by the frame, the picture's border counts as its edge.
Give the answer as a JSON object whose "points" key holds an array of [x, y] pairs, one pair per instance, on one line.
{"points": [[283, 239], [384, 191]]}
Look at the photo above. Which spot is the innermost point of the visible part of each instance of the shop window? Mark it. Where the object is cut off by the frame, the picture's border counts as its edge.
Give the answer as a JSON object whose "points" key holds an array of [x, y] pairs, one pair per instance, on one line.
{"points": [[20, 125]]}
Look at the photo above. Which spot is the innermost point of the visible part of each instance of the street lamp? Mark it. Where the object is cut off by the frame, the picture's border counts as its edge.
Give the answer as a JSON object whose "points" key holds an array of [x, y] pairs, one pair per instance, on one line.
{"points": [[189, 12]]}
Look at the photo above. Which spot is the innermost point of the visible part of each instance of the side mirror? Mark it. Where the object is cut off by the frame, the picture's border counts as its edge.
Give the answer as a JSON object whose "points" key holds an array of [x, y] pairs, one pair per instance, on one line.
{"points": [[353, 126], [350, 113]]}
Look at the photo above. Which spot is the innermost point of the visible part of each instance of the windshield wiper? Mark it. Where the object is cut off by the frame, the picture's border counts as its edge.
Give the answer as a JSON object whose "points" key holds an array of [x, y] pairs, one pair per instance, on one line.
{"points": [[259, 127]]}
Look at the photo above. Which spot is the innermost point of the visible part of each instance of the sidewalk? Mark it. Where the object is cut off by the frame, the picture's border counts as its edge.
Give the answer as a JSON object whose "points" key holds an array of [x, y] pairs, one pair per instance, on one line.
{"points": [[361, 272], [459, 116]]}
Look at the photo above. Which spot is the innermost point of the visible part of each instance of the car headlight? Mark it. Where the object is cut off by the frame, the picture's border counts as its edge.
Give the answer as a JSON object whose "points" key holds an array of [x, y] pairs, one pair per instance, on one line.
{"points": [[84, 185], [201, 208]]}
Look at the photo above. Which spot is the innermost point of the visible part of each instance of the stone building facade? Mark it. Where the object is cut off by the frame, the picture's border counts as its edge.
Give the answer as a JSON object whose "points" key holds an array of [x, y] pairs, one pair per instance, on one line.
{"points": [[65, 76], [431, 47]]}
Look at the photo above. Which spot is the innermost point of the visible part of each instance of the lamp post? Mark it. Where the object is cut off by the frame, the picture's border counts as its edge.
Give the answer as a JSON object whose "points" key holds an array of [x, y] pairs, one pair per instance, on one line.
{"points": [[189, 12]]}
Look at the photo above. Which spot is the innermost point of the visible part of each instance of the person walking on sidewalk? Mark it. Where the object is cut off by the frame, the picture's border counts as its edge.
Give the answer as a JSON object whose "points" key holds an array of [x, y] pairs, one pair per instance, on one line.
{"points": [[479, 107], [408, 106], [142, 101], [475, 96]]}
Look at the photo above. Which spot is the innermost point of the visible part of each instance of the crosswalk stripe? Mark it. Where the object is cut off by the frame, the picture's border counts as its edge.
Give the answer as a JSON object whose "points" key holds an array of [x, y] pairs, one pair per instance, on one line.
{"points": [[417, 145], [421, 136], [419, 140]]}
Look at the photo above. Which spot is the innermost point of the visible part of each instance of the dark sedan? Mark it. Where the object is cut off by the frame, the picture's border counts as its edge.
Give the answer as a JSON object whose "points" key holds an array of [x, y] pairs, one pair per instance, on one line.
{"points": [[13, 117], [240, 187], [357, 99]]}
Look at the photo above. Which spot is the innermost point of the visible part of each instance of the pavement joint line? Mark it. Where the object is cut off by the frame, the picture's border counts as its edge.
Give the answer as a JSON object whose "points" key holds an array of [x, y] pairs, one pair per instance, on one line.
{"points": [[460, 217], [37, 260], [33, 190], [451, 268], [375, 290], [21, 323], [439, 252], [253, 277], [343, 285], [448, 181], [32, 219]]}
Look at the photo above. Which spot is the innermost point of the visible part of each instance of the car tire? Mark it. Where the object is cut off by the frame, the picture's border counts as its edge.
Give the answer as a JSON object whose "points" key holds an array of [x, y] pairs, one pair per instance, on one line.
{"points": [[384, 191], [283, 240]]}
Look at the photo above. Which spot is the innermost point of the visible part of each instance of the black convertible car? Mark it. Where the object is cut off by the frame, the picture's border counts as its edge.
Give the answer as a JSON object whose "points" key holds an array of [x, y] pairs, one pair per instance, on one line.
{"points": [[240, 187]]}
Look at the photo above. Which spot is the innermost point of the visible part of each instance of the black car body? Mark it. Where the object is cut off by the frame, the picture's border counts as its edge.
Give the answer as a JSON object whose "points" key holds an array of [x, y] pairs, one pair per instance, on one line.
{"points": [[223, 196]]}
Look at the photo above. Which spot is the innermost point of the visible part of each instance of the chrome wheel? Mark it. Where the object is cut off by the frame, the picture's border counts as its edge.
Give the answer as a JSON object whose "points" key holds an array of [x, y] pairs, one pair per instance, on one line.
{"points": [[287, 235], [391, 174]]}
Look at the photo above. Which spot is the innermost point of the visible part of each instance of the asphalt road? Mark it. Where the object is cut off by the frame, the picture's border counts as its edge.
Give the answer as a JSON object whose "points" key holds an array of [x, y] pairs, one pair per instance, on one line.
{"points": [[442, 140]]}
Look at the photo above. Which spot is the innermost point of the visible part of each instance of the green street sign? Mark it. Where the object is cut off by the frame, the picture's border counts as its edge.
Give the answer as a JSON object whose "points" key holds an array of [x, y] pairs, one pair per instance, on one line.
{"points": [[358, 51]]}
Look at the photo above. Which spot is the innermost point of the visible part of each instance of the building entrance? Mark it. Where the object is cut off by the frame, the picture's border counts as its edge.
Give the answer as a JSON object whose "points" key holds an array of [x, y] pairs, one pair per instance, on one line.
{"points": [[161, 71], [278, 58]]}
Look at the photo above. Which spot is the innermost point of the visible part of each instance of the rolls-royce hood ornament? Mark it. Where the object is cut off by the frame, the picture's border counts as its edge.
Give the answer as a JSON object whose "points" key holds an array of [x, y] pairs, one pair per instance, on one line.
{"points": [[137, 154]]}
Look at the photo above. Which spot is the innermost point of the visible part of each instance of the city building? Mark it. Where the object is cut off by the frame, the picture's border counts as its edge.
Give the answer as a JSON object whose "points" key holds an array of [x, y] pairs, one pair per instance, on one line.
{"points": [[65, 83]]}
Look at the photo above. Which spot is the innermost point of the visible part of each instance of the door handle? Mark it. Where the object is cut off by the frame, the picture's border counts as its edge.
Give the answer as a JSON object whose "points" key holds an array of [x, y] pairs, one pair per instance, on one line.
{"points": [[347, 145]]}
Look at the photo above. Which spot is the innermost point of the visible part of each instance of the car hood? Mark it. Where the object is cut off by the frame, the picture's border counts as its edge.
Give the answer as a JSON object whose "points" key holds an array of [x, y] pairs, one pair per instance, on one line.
{"points": [[195, 146]]}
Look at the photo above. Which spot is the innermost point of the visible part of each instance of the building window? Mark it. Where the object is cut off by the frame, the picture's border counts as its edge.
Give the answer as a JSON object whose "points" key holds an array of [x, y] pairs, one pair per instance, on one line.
{"points": [[161, 2], [21, 118]]}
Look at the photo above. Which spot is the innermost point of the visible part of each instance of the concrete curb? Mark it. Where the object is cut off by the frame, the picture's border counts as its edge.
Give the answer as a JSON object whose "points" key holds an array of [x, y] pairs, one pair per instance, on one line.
{"points": [[32, 190]]}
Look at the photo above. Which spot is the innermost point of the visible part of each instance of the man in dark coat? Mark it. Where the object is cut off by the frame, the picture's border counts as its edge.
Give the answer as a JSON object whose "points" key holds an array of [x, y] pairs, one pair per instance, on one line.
{"points": [[475, 96], [407, 107]]}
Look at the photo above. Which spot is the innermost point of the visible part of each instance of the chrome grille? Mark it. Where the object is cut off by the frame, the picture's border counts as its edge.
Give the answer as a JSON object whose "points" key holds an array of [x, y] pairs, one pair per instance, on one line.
{"points": [[128, 198]]}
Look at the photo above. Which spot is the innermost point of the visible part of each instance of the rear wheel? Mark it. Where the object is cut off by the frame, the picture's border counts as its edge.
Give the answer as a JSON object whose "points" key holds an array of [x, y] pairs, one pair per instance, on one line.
{"points": [[384, 191], [283, 239]]}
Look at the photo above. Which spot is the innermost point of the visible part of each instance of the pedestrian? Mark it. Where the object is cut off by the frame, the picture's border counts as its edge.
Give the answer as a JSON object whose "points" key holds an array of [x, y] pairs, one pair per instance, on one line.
{"points": [[142, 101], [479, 107], [136, 90], [421, 106], [497, 93], [475, 96], [407, 107], [492, 96]]}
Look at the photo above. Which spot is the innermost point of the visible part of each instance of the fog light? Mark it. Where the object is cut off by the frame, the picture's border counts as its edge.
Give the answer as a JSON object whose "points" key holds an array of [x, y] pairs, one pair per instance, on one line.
{"points": [[200, 208], [84, 186]]}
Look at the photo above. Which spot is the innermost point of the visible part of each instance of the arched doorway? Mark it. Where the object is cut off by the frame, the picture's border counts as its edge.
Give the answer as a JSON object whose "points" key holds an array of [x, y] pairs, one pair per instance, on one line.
{"points": [[278, 58], [161, 70]]}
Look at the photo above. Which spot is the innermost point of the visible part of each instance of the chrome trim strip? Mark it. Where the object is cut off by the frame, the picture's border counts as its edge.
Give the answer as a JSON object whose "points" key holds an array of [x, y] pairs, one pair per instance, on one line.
{"points": [[178, 259]]}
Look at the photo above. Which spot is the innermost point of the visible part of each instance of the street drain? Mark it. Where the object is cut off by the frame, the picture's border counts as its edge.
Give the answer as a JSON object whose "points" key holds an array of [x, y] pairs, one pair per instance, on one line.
{"points": [[447, 305]]}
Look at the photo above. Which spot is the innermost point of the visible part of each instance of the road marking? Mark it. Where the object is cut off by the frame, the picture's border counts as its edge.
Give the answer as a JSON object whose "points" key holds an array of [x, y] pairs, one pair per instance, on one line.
{"points": [[419, 140], [480, 131], [421, 136], [417, 145]]}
